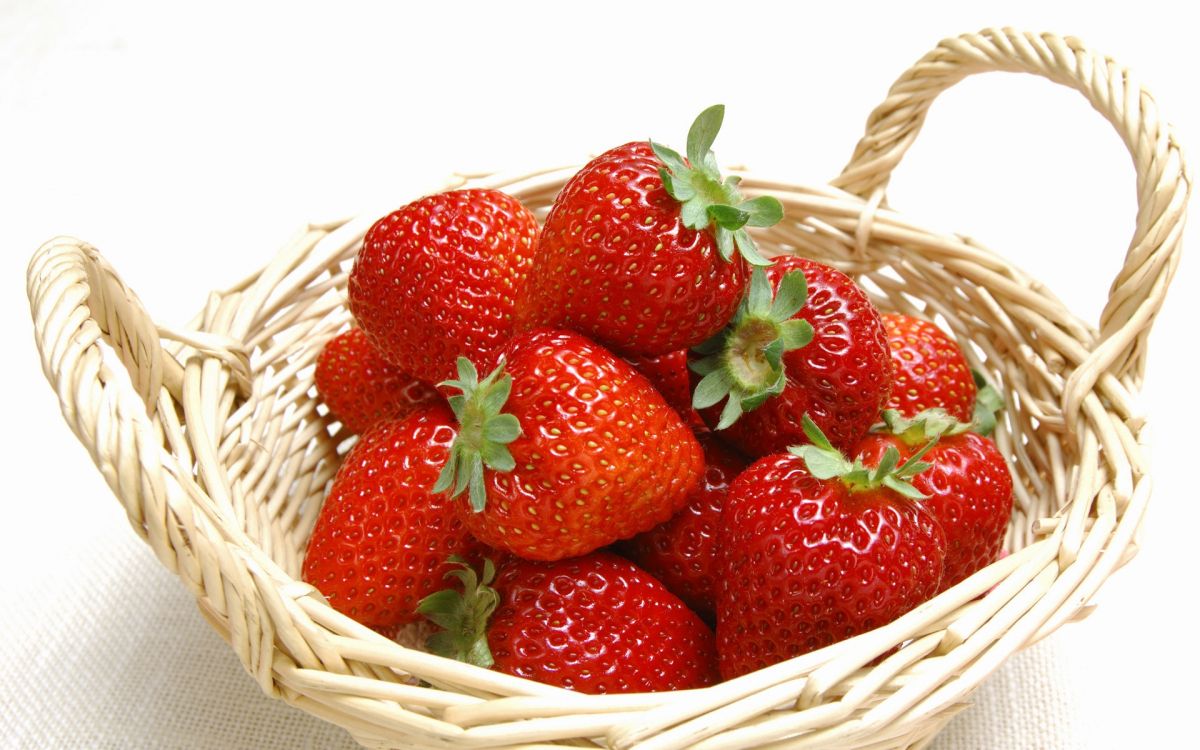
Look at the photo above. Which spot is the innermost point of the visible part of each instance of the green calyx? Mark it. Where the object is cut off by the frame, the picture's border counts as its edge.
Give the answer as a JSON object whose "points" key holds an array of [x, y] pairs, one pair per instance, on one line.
{"points": [[463, 616], [988, 401], [744, 362], [707, 199], [933, 424], [484, 432], [826, 462]]}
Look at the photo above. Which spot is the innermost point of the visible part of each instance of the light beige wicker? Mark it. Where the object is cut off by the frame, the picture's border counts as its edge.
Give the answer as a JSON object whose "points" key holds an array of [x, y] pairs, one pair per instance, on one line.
{"points": [[216, 448]]}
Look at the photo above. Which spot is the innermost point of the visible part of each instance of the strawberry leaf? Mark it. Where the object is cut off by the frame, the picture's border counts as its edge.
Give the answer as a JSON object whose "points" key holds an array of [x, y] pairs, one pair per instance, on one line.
{"points": [[703, 134], [463, 616], [484, 433], [764, 211]]}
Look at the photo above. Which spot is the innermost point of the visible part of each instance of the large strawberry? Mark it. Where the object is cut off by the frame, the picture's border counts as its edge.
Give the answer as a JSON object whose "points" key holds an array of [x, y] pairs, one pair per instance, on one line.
{"points": [[565, 449], [683, 552], [361, 388], [647, 252], [929, 370], [968, 486], [595, 624], [816, 347], [817, 549], [442, 277], [382, 538]]}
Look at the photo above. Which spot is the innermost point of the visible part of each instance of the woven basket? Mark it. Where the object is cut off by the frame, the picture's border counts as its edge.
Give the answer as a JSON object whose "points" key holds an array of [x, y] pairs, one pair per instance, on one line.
{"points": [[211, 438]]}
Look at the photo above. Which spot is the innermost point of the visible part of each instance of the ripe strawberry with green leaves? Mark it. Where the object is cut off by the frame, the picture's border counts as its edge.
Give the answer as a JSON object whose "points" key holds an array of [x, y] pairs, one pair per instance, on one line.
{"points": [[805, 341], [929, 370], [683, 553], [645, 251], [817, 549], [442, 277], [594, 624], [968, 486], [565, 448], [382, 537], [361, 388]]}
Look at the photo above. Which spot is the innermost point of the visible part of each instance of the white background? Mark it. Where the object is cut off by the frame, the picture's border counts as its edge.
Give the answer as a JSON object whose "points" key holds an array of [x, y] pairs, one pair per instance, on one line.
{"points": [[188, 141]]}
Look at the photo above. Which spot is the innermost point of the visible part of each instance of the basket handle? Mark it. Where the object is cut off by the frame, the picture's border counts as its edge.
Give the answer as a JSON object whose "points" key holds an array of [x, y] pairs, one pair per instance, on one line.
{"points": [[1163, 183], [76, 297]]}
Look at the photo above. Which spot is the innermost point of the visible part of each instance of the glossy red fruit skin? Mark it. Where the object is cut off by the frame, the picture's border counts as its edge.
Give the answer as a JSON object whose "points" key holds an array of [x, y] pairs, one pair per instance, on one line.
{"points": [[970, 493], [928, 369], [669, 375], [382, 538], [616, 263], [683, 553], [597, 624], [361, 388], [807, 563], [601, 456], [841, 379], [442, 278]]}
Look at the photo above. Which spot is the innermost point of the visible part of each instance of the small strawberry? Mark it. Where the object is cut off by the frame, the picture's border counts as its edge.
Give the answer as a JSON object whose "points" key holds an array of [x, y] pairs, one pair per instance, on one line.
{"points": [[929, 370], [817, 348], [968, 486], [595, 624], [638, 251], [361, 388], [816, 549], [669, 375], [579, 449], [382, 537], [441, 278], [683, 552]]}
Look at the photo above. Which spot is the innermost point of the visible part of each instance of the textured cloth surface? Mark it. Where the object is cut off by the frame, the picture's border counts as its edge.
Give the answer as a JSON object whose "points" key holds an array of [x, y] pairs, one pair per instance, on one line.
{"points": [[188, 146]]}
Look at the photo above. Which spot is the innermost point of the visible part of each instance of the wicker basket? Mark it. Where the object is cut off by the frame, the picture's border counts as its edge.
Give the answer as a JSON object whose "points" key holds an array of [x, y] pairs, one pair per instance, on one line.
{"points": [[216, 447]]}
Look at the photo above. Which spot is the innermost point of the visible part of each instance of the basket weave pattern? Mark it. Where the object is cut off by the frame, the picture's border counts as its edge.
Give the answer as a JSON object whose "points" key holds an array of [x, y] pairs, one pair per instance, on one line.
{"points": [[211, 438]]}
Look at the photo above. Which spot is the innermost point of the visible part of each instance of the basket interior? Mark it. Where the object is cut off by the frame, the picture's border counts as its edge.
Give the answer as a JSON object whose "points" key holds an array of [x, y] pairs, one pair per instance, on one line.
{"points": [[281, 448]]}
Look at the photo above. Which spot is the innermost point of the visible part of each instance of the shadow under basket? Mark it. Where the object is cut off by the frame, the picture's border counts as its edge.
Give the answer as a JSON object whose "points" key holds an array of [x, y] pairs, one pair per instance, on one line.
{"points": [[212, 440]]}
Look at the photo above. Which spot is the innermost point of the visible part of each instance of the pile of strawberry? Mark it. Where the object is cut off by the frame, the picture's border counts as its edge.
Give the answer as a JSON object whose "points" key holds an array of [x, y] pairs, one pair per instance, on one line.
{"points": [[583, 443]]}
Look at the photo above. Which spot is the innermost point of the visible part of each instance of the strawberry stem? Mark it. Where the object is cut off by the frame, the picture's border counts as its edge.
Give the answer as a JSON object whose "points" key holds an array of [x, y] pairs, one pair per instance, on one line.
{"points": [[707, 199], [743, 364], [826, 462], [464, 616], [484, 432]]}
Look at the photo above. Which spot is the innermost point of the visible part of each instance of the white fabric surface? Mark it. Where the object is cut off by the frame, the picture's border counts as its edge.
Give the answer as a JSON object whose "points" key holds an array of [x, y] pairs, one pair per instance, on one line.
{"points": [[188, 147]]}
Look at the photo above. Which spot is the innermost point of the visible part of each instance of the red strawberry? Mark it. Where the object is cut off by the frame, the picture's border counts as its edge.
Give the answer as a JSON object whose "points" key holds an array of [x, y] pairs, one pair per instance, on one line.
{"points": [[929, 370], [968, 486], [683, 552], [595, 624], [382, 537], [638, 250], [815, 550], [580, 449], [361, 388], [441, 278], [816, 348], [669, 375]]}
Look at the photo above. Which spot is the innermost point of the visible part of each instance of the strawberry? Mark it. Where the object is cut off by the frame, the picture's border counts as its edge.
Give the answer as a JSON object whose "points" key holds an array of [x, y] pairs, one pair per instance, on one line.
{"points": [[683, 552], [816, 549], [669, 375], [361, 388], [441, 278], [817, 348], [565, 449], [382, 537], [595, 624], [968, 486], [638, 250], [928, 369]]}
